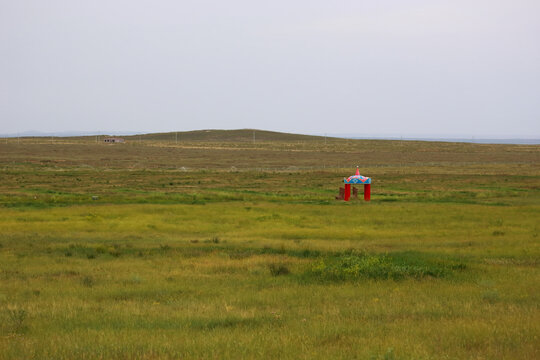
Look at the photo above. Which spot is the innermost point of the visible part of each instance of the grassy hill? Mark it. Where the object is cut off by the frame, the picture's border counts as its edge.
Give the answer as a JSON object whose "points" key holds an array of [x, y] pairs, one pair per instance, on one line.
{"points": [[242, 135], [205, 135]]}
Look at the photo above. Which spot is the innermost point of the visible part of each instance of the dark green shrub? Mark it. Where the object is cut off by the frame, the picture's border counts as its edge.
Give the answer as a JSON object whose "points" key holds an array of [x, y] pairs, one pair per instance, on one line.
{"points": [[115, 253], [87, 281], [278, 269]]}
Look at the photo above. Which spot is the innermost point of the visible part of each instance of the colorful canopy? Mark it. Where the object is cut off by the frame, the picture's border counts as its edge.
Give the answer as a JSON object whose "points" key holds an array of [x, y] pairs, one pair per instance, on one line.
{"points": [[357, 179]]}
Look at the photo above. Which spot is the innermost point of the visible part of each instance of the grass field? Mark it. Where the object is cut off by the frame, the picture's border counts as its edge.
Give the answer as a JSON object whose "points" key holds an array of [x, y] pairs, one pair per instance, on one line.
{"points": [[215, 246]]}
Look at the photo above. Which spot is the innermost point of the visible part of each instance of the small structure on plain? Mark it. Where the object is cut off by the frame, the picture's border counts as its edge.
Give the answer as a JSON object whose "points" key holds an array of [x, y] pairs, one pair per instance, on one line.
{"points": [[112, 140], [357, 179]]}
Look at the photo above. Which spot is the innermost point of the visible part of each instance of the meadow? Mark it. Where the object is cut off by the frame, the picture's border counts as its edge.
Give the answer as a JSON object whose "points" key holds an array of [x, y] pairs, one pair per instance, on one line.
{"points": [[210, 245]]}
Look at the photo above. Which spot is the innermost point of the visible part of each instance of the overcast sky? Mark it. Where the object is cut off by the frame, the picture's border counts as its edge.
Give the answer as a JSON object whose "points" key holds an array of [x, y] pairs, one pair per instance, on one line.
{"points": [[384, 67]]}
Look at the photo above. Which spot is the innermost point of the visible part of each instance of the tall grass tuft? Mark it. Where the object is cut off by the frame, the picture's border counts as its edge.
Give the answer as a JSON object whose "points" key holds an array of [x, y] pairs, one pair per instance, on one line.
{"points": [[17, 319], [278, 269]]}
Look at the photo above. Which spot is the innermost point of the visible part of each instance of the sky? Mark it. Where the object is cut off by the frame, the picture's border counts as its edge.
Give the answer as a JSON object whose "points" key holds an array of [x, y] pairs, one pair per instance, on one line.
{"points": [[455, 68]]}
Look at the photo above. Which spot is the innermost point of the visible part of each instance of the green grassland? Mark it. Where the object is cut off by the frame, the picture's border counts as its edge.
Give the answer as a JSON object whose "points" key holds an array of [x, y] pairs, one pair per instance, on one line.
{"points": [[209, 245]]}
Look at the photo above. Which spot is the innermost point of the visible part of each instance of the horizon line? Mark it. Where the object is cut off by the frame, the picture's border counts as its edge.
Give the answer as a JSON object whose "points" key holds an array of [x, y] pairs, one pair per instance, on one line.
{"points": [[357, 136]]}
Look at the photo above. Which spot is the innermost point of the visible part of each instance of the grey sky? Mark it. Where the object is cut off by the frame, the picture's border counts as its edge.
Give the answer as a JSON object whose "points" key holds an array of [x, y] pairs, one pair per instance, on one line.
{"points": [[415, 67]]}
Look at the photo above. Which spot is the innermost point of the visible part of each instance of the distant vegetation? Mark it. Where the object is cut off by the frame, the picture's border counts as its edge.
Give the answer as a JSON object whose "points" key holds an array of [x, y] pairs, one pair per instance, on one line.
{"points": [[216, 246]]}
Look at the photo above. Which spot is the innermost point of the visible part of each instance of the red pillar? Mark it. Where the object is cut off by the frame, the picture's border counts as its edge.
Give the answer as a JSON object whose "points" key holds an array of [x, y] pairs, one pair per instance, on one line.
{"points": [[347, 192], [367, 192]]}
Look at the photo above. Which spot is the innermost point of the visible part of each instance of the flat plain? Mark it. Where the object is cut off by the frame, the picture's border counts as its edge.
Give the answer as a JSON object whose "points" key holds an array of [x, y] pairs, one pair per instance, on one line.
{"points": [[230, 244]]}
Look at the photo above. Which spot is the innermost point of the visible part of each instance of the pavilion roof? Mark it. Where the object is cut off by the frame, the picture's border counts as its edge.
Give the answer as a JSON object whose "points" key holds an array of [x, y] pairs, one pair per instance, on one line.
{"points": [[357, 179]]}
